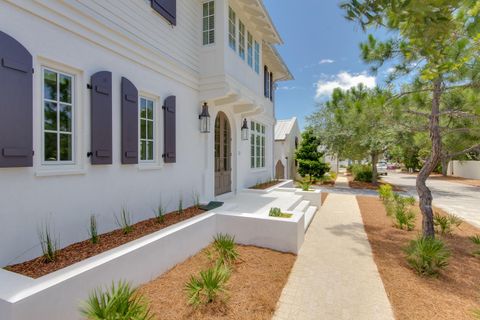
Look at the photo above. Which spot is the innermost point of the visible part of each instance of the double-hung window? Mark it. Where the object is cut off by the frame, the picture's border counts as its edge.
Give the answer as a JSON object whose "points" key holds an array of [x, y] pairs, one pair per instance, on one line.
{"points": [[147, 130], [232, 29], [241, 39], [257, 57], [257, 145], [58, 113], [208, 22], [250, 49]]}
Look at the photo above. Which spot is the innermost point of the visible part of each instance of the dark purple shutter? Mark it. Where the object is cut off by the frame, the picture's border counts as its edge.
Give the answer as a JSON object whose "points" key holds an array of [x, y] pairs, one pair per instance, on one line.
{"points": [[270, 79], [265, 81], [16, 104], [166, 8], [129, 122], [101, 118], [170, 143]]}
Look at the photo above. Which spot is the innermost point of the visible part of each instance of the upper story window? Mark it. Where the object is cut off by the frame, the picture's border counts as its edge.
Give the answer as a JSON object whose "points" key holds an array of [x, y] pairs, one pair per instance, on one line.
{"points": [[241, 39], [232, 29], [257, 145], [250, 49], [58, 113], [257, 57], [209, 23], [268, 83], [147, 129]]}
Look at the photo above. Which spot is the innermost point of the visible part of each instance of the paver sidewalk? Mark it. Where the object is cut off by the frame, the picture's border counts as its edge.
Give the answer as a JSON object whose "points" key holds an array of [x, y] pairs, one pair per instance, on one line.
{"points": [[335, 276]]}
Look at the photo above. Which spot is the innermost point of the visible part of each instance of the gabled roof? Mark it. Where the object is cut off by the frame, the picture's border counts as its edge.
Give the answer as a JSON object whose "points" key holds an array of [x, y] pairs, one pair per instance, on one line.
{"points": [[284, 128]]}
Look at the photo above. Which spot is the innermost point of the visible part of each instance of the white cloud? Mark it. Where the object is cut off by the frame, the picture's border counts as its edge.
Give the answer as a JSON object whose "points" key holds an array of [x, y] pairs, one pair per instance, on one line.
{"points": [[344, 81], [390, 70], [324, 61]]}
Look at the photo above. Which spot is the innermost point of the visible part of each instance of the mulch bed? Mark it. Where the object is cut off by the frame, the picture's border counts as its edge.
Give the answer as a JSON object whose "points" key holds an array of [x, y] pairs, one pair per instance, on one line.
{"points": [[254, 288], [368, 185], [79, 251], [265, 185], [451, 295]]}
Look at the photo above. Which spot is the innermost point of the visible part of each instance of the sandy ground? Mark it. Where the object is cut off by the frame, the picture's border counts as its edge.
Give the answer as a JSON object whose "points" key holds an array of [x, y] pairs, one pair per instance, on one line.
{"points": [[454, 294]]}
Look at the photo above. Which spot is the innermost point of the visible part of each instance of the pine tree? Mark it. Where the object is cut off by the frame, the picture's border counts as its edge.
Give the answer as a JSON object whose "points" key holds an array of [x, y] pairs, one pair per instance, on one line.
{"points": [[309, 158]]}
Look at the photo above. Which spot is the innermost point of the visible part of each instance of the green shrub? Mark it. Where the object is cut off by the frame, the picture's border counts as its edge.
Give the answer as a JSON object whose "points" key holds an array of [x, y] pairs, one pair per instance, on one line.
{"points": [[385, 192], [445, 224], [208, 286], [476, 240], [159, 213], [224, 245], [405, 220], [427, 255], [118, 302], [333, 175], [125, 221], [305, 185], [362, 173], [93, 229], [48, 243], [275, 212]]}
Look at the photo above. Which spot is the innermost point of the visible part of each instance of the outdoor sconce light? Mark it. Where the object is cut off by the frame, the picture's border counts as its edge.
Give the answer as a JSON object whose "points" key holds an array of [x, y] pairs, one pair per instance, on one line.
{"points": [[245, 130], [204, 118]]}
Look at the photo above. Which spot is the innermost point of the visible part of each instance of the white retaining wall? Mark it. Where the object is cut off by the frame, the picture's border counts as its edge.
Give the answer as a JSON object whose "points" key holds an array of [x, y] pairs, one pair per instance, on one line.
{"points": [[464, 169], [57, 296]]}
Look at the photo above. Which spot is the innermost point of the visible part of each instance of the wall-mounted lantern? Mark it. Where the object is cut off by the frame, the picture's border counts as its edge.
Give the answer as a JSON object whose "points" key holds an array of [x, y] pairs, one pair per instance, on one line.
{"points": [[204, 118], [245, 134]]}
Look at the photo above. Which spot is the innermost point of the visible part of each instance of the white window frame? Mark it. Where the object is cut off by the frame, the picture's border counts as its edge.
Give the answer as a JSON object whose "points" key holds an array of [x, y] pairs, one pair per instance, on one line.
{"points": [[250, 49], [154, 138], [241, 39], [232, 29], [73, 106], [210, 28], [257, 145], [257, 56]]}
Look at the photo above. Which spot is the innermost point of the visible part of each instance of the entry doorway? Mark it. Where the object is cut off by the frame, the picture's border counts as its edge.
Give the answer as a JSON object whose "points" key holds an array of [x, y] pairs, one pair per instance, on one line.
{"points": [[223, 155]]}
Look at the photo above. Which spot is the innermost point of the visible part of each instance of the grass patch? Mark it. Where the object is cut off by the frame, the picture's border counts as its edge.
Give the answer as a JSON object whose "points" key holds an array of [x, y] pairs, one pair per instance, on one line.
{"points": [[277, 213]]}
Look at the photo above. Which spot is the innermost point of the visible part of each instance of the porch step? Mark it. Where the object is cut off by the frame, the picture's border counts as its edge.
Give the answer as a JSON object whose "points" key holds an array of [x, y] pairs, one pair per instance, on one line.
{"points": [[302, 206], [295, 203], [309, 214]]}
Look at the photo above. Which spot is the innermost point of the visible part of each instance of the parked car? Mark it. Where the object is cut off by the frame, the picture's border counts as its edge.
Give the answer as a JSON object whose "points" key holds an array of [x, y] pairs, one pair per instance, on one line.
{"points": [[382, 168]]}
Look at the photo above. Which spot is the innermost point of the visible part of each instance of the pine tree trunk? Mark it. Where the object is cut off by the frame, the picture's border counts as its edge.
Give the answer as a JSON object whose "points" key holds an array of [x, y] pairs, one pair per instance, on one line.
{"points": [[374, 168], [423, 191], [445, 161]]}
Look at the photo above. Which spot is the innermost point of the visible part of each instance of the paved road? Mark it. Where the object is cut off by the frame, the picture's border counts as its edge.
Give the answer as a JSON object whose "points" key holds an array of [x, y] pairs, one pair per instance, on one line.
{"points": [[459, 199]]}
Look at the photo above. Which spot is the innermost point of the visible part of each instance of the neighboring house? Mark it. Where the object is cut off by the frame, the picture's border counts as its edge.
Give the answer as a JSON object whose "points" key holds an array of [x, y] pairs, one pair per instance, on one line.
{"points": [[468, 169], [100, 104], [287, 141]]}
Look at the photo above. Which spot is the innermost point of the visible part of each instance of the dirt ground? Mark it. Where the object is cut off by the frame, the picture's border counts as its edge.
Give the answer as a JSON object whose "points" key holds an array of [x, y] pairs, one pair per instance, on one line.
{"points": [[470, 182], [454, 294], [253, 289], [79, 251]]}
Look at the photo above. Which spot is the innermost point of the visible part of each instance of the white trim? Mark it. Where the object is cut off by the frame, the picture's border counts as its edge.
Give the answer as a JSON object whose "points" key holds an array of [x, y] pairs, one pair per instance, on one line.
{"points": [[157, 162], [209, 16]]}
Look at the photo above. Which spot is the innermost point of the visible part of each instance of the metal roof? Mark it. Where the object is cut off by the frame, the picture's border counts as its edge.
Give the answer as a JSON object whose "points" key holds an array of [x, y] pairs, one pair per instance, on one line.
{"points": [[284, 127]]}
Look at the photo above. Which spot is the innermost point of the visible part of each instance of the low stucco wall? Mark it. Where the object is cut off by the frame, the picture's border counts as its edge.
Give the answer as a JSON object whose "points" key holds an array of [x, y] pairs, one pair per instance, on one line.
{"points": [[464, 169], [58, 296]]}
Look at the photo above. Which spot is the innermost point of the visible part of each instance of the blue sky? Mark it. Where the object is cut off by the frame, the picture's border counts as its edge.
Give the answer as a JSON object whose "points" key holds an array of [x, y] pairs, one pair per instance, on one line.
{"points": [[322, 51]]}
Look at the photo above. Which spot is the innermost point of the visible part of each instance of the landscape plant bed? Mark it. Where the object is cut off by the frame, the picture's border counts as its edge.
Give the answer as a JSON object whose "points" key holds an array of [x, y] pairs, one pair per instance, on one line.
{"points": [[254, 287], [470, 182], [453, 294], [265, 185], [79, 251], [368, 185]]}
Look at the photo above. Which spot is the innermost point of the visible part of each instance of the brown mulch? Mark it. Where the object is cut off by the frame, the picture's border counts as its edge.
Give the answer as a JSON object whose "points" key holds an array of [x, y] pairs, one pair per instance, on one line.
{"points": [[368, 185], [254, 287], [470, 182], [324, 196], [265, 185], [79, 251], [451, 295]]}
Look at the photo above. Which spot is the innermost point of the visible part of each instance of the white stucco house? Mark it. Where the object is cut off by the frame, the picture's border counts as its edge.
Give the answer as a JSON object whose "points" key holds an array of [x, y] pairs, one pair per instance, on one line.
{"points": [[287, 140], [100, 104]]}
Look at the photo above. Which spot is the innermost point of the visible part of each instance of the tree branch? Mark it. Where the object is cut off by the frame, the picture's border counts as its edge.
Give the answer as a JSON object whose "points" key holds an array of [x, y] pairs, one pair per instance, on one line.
{"points": [[471, 149]]}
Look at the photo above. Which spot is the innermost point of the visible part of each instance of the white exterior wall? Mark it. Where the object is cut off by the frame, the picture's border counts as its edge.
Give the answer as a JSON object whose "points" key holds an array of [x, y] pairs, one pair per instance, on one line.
{"points": [[286, 148], [464, 169], [132, 41]]}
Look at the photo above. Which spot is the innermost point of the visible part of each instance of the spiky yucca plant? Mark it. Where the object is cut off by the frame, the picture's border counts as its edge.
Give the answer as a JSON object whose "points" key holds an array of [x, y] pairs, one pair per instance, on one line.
{"points": [[48, 243], [117, 302], [225, 246], [93, 230], [125, 221]]}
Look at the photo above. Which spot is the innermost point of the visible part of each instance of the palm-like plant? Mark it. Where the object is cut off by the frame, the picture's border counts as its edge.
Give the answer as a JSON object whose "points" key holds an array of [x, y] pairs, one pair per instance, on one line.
{"points": [[209, 286], [427, 255], [118, 302], [224, 245], [476, 240]]}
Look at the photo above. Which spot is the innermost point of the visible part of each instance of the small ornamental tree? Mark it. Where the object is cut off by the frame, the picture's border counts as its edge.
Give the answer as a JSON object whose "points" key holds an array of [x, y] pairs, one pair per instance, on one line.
{"points": [[309, 158]]}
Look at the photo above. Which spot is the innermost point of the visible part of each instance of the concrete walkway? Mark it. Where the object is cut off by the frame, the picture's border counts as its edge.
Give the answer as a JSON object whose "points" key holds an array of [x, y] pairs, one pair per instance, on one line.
{"points": [[341, 182], [335, 276]]}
